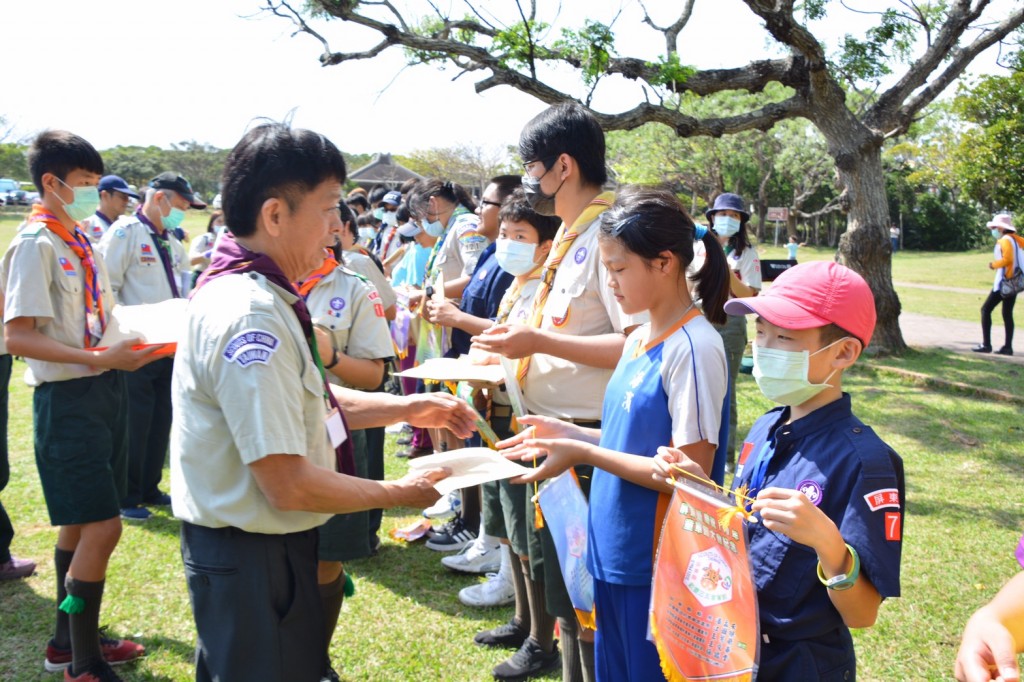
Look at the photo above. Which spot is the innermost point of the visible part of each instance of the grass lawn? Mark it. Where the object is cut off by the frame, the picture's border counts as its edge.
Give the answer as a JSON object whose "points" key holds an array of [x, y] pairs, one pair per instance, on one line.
{"points": [[964, 468]]}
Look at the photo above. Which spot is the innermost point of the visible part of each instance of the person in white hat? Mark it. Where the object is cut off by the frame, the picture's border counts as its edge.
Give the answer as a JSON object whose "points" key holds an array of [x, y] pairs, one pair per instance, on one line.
{"points": [[1008, 256]]}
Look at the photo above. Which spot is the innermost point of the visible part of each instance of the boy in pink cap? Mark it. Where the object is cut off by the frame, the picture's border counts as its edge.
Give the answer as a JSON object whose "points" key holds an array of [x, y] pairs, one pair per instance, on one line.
{"points": [[829, 492]]}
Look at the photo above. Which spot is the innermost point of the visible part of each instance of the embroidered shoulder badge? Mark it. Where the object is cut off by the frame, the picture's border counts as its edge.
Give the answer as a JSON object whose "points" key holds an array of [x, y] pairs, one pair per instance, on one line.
{"points": [[251, 346], [882, 499]]}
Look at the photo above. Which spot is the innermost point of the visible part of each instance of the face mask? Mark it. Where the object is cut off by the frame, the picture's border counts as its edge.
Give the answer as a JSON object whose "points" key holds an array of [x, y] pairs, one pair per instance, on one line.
{"points": [[782, 374], [172, 220], [85, 203], [433, 228], [367, 233], [515, 258], [378, 213], [539, 201], [996, 234], [390, 218], [726, 226]]}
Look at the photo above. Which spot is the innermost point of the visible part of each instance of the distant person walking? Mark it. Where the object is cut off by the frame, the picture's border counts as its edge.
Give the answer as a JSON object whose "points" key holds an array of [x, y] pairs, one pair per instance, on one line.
{"points": [[894, 237], [1008, 254]]}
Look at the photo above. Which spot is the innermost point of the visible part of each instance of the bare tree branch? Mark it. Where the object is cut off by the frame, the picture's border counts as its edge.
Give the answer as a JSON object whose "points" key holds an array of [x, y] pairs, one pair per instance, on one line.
{"points": [[671, 32]]}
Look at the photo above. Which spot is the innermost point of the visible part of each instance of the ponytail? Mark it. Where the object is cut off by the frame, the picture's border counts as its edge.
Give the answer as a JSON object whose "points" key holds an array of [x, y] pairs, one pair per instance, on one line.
{"points": [[713, 279], [446, 189]]}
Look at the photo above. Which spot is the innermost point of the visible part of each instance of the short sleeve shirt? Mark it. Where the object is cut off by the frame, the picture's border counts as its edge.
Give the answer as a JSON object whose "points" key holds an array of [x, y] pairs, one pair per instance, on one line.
{"points": [[462, 247], [747, 264], [579, 304], [518, 314], [364, 265], [350, 309], [666, 391], [94, 226], [851, 475], [44, 279], [137, 274], [245, 386]]}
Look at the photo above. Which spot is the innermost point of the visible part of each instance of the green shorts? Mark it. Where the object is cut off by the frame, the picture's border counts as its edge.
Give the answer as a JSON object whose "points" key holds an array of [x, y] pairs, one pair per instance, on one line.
{"points": [[81, 441], [347, 536]]}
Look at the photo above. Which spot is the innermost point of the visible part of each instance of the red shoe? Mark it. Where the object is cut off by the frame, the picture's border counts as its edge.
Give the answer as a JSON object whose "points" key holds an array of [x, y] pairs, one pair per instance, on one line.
{"points": [[99, 672], [115, 652], [16, 568]]}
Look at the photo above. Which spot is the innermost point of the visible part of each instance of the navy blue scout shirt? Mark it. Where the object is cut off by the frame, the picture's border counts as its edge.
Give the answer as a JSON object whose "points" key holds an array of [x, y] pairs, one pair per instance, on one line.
{"points": [[481, 297], [852, 476]]}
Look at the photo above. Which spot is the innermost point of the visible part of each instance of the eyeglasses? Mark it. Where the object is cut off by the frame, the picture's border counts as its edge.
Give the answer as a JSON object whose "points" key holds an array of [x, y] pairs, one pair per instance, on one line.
{"points": [[530, 165]]}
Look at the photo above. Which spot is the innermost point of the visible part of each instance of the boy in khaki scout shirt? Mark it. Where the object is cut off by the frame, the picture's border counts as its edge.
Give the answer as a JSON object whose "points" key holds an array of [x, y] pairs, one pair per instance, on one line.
{"points": [[58, 300]]}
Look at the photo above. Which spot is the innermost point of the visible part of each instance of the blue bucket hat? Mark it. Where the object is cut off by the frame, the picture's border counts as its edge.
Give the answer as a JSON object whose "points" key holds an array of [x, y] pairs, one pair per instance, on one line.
{"points": [[728, 202]]}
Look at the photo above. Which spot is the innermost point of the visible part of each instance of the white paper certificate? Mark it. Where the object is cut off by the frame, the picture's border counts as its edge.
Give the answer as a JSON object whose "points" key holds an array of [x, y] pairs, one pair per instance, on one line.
{"points": [[455, 369], [469, 466], [154, 323]]}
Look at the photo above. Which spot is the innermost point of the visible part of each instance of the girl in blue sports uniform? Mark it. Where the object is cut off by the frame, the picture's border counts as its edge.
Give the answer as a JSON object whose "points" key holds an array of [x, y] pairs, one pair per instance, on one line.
{"points": [[668, 388]]}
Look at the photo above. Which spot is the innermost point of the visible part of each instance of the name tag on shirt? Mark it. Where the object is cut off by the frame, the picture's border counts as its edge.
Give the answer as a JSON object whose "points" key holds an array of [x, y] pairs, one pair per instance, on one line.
{"points": [[557, 304], [335, 428]]}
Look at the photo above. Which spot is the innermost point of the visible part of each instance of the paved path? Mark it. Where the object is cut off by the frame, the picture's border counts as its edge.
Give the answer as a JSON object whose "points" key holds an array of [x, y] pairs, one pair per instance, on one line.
{"points": [[937, 287], [956, 335]]}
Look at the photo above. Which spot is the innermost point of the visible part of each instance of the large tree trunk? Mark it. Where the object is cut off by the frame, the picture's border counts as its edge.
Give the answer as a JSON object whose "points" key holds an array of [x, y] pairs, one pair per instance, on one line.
{"points": [[865, 246]]}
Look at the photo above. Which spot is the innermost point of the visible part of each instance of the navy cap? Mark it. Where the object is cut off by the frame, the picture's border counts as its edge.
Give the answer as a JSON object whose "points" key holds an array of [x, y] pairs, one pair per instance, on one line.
{"points": [[728, 202], [393, 197], [115, 183], [177, 183]]}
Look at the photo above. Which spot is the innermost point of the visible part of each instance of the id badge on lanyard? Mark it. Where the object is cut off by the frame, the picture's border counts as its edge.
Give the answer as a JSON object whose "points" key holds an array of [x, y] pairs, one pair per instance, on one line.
{"points": [[336, 431]]}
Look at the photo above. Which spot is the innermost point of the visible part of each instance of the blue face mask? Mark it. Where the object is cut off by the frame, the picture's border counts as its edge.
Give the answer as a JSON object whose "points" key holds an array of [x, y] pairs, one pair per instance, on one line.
{"points": [[367, 233], [85, 203], [172, 220], [996, 234], [726, 226], [433, 228]]}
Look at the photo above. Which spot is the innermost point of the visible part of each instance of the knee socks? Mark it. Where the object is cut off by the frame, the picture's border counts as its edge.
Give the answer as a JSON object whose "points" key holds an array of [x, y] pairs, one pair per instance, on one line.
{"points": [[542, 623], [332, 595], [522, 616], [83, 608], [587, 659], [62, 632], [571, 669]]}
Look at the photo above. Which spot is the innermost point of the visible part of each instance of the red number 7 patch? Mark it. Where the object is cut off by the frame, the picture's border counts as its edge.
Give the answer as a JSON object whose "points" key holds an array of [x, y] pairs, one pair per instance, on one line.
{"points": [[893, 530]]}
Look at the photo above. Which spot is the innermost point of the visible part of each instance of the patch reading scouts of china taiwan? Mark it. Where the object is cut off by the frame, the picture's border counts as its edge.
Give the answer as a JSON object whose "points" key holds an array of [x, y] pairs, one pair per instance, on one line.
{"points": [[251, 346]]}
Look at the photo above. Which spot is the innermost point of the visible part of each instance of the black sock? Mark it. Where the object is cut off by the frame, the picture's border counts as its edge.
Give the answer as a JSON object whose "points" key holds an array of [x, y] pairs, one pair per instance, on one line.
{"points": [[542, 623], [587, 660], [85, 624], [332, 595], [61, 563], [571, 669], [519, 584]]}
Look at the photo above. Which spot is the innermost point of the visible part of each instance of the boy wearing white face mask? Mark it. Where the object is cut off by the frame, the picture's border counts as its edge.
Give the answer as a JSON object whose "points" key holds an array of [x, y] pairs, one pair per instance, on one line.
{"points": [[829, 491]]}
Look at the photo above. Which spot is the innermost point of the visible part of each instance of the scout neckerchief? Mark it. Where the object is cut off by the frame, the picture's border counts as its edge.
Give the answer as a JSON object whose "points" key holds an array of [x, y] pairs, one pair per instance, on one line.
{"points": [[431, 274], [387, 242], [759, 469], [163, 247], [508, 301], [563, 241], [104, 218], [306, 286], [231, 258], [95, 315]]}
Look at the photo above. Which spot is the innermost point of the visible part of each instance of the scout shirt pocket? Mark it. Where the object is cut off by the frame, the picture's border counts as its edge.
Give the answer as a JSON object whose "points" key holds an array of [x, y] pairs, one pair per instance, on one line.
{"points": [[566, 301], [314, 411], [69, 277], [780, 564]]}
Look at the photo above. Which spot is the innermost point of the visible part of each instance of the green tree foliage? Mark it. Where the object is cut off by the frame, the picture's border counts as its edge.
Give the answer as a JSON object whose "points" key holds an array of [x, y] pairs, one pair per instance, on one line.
{"points": [[990, 157], [13, 163]]}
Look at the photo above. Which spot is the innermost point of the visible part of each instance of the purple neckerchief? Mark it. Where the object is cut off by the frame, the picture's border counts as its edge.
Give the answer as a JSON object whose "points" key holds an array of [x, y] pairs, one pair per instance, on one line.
{"points": [[104, 218], [1020, 552], [231, 258], [163, 248]]}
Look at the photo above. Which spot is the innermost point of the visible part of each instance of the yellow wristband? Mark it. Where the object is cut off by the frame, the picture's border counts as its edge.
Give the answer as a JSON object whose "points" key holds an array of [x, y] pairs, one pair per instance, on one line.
{"points": [[843, 581]]}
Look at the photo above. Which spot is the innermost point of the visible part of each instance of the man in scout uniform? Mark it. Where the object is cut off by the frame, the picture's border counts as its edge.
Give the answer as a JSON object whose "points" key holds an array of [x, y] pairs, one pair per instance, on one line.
{"points": [[58, 300], [252, 463], [144, 259], [576, 331], [115, 195]]}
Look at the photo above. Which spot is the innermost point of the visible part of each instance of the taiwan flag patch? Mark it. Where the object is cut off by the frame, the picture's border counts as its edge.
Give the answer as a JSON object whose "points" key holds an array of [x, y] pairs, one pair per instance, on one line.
{"points": [[146, 248], [67, 267]]}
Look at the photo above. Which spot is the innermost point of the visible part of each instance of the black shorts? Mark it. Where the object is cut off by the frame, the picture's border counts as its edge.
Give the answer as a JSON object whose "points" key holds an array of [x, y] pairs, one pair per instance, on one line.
{"points": [[81, 442]]}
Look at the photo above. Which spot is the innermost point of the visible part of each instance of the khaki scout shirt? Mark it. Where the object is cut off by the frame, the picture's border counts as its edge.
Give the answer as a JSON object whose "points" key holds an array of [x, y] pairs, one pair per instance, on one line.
{"points": [[361, 264], [244, 387], [351, 310], [137, 274], [580, 303], [42, 278], [462, 248]]}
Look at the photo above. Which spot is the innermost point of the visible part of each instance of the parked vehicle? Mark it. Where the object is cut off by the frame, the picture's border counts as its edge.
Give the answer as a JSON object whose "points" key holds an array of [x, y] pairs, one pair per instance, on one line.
{"points": [[12, 193]]}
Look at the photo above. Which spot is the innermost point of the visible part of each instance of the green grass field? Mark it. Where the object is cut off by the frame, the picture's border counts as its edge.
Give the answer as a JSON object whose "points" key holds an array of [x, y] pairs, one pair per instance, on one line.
{"points": [[964, 467]]}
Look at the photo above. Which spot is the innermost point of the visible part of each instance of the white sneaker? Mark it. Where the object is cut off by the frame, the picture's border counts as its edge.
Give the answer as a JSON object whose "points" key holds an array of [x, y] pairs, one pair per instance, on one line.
{"points": [[400, 427], [449, 505], [498, 590], [482, 556]]}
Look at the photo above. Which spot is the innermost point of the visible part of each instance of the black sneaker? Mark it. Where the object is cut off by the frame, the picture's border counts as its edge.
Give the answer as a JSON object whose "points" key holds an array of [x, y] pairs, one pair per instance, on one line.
{"points": [[530, 660], [1005, 350], [981, 348], [452, 538], [511, 635]]}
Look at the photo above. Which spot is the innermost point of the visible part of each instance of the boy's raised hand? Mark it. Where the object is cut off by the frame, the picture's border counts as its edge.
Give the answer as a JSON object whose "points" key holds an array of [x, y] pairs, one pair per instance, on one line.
{"points": [[667, 462], [791, 513]]}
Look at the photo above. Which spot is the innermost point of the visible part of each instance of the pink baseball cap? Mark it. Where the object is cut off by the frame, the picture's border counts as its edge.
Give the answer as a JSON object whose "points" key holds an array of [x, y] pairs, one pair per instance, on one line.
{"points": [[814, 294]]}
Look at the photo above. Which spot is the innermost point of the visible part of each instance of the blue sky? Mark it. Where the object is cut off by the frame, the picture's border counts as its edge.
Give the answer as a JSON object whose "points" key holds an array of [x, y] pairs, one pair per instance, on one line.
{"points": [[130, 72]]}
